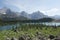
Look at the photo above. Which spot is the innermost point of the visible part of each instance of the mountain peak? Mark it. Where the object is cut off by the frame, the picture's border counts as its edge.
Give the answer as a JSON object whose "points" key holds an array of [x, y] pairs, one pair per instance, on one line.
{"points": [[4, 10], [38, 12], [37, 15], [23, 12]]}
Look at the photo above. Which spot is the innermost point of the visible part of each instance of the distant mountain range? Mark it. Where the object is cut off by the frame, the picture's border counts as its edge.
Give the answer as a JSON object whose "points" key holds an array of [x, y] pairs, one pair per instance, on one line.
{"points": [[57, 17], [7, 14], [34, 15]]}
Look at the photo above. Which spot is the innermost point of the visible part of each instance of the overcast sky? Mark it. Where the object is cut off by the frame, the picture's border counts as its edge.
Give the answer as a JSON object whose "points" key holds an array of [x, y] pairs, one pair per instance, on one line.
{"points": [[48, 7]]}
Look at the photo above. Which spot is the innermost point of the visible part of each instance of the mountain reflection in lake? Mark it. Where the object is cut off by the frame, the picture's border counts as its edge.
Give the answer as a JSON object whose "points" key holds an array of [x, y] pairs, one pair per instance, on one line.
{"points": [[8, 27]]}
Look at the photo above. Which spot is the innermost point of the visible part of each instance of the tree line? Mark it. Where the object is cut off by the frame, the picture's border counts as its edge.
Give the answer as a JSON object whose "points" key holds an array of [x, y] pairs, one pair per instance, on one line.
{"points": [[32, 21]]}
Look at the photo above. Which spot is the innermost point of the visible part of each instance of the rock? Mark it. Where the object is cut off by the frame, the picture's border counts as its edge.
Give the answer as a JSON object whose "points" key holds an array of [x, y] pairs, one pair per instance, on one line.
{"points": [[21, 38], [28, 38], [7, 38], [51, 36], [25, 37], [38, 33], [13, 38], [57, 38]]}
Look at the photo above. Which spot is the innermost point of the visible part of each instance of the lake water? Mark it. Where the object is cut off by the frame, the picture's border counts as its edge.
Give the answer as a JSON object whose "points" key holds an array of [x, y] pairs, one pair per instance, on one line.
{"points": [[8, 27], [52, 23]]}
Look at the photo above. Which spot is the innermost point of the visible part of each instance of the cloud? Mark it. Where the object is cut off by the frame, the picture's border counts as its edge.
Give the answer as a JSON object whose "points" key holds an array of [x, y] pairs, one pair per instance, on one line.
{"points": [[29, 7], [51, 12], [13, 3], [25, 5], [17, 3]]}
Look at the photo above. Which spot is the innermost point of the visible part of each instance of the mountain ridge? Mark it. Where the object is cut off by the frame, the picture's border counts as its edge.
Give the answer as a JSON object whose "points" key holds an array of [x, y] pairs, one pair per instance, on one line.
{"points": [[8, 13]]}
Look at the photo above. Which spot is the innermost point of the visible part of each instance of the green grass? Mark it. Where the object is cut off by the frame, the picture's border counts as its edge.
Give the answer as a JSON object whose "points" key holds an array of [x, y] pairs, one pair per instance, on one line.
{"points": [[31, 30]]}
